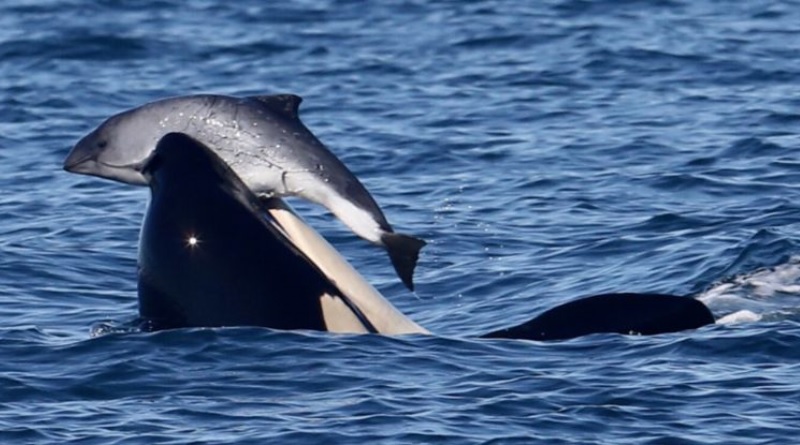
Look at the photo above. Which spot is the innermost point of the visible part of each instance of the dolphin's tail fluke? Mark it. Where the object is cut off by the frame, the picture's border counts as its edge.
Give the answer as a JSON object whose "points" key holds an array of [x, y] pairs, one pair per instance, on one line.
{"points": [[404, 253], [637, 314]]}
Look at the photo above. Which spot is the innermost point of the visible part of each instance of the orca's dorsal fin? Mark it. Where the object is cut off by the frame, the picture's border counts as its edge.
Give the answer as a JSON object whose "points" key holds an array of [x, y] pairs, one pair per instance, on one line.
{"points": [[287, 105]]}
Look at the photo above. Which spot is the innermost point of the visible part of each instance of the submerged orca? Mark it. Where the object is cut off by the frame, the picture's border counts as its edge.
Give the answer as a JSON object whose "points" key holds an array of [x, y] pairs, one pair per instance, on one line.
{"points": [[634, 314], [211, 254]]}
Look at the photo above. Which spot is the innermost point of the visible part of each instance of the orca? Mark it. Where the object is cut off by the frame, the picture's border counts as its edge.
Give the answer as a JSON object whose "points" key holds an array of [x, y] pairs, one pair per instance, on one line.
{"points": [[264, 141], [212, 254]]}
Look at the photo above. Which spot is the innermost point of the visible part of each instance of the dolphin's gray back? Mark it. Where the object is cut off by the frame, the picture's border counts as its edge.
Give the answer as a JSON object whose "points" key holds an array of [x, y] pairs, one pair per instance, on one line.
{"points": [[263, 139], [305, 157]]}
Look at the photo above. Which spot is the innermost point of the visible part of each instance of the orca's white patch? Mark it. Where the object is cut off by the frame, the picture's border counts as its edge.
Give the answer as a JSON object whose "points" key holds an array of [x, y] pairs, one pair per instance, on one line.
{"points": [[373, 306], [338, 317]]}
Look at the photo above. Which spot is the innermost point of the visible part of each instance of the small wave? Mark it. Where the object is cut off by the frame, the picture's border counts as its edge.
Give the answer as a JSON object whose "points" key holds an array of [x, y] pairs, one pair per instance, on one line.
{"points": [[104, 328], [669, 221], [750, 147], [247, 49], [493, 41], [76, 47]]}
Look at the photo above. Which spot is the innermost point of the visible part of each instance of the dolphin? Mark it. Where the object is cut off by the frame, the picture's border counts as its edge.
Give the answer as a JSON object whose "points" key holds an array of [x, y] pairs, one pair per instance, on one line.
{"points": [[211, 253], [263, 139]]}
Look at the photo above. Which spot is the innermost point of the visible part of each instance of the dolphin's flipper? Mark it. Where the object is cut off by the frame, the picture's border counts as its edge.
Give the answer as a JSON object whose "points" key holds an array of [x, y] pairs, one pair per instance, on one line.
{"points": [[404, 252], [637, 314]]}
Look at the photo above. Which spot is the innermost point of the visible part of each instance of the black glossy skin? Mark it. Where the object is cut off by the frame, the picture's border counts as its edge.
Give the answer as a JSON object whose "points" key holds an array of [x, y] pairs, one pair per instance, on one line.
{"points": [[240, 272], [637, 314]]}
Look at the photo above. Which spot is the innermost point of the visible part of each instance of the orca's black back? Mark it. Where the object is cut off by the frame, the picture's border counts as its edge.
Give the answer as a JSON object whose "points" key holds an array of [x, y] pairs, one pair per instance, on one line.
{"points": [[642, 314]]}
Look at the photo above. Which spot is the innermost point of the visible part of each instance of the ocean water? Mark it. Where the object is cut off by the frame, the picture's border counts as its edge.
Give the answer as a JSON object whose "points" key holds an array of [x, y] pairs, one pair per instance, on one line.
{"points": [[545, 150]]}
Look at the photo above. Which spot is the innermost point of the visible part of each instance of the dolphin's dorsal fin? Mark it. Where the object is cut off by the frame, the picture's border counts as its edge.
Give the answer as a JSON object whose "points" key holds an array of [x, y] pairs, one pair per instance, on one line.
{"points": [[286, 104]]}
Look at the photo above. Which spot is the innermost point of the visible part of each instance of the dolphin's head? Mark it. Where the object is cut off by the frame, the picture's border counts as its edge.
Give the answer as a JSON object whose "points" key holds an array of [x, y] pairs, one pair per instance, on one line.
{"points": [[116, 149]]}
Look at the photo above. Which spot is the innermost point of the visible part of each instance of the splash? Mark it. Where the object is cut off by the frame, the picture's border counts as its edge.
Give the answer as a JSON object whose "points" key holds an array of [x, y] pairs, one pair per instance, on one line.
{"points": [[107, 327], [771, 293]]}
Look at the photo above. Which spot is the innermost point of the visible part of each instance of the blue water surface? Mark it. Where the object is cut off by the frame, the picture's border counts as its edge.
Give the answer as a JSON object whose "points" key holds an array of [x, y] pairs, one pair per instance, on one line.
{"points": [[545, 150]]}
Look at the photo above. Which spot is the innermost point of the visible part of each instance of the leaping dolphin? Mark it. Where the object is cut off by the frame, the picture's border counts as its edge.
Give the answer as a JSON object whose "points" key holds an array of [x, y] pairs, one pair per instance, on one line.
{"points": [[263, 139]]}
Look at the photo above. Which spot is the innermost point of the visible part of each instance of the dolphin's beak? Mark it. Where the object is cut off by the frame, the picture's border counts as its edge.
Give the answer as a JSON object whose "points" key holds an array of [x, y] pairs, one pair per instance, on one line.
{"points": [[75, 159], [82, 163]]}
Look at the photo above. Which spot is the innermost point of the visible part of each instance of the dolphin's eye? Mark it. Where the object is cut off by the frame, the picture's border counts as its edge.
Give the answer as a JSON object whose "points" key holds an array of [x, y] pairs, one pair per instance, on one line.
{"points": [[102, 144]]}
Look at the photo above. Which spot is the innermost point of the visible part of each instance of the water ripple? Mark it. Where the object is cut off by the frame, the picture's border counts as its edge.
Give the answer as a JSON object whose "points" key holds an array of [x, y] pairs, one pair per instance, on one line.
{"points": [[546, 152]]}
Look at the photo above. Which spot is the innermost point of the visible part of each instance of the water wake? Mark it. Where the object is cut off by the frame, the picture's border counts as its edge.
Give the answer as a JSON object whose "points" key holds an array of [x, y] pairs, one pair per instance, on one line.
{"points": [[768, 294]]}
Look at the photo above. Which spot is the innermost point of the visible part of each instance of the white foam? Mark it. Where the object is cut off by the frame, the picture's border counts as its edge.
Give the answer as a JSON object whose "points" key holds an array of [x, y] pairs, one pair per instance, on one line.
{"points": [[751, 296], [743, 316], [765, 282]]}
